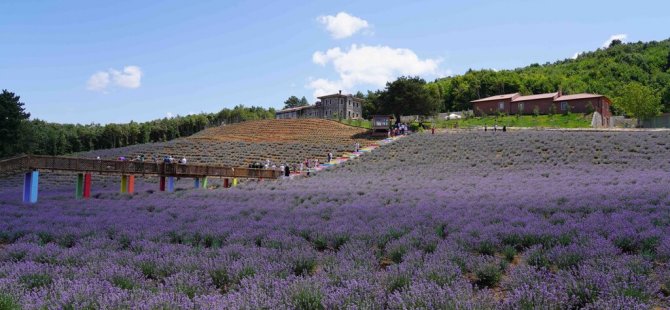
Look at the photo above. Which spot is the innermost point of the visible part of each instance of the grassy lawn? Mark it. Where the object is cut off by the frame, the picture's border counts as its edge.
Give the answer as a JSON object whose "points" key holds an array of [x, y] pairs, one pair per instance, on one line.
{"points": [[555, 121], [575, 120], [357, 122]]}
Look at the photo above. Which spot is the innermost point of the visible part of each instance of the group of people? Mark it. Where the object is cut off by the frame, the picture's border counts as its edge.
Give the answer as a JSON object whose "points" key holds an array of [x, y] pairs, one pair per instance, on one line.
{"points": [[167, 159], [399, 129], [495, 128]]}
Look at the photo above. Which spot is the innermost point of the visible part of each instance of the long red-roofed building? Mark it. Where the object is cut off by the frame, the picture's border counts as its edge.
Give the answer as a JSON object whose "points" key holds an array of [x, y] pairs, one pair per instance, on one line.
{"points": [[547, 103]]}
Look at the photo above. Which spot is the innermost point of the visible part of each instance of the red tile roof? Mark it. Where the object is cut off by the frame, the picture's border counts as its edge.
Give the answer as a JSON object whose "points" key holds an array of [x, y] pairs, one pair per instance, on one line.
{"points": [[577, 97], [535, 97], [498, 97]]}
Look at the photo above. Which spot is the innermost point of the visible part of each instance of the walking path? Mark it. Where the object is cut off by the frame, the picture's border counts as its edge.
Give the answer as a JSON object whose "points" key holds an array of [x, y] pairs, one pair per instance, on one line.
{"points": [[352, 155]]}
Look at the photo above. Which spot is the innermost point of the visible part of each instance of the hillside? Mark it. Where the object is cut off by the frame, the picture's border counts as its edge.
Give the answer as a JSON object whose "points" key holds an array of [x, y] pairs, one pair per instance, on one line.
{"points": [[281, 141], [603, 71], [285, 130]]}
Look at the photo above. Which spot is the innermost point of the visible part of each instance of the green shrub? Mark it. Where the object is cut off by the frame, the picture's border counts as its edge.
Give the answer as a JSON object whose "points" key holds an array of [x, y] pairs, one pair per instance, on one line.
{"points": [[397, 282], [397, 253], [486, 248], [538, 258], [509, 252], [246, 272], [220, 278], [7, 302], [35, 280], [320, 243], [304, 266], [123, 282], [488, 275], [308, 298]]}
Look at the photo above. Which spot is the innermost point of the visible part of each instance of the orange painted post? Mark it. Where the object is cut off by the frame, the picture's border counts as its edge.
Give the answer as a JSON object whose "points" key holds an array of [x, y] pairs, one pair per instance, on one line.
{"points": [[131, 184], [87, 185]]}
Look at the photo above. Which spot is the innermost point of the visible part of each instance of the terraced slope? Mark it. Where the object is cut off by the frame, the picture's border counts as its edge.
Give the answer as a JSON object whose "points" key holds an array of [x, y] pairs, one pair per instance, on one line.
{"points": [[281, 141], [286, 130]]}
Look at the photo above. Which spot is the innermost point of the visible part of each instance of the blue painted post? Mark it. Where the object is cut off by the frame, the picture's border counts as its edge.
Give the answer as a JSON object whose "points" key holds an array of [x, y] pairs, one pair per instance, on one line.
{"points": [[170, 185], [196, 183], [30, 186]]}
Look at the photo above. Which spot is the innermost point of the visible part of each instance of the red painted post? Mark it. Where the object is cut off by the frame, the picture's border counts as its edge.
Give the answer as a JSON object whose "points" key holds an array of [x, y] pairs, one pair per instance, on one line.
{"points": [[162, 184], [226, 183], [87, 185], [131, 184]]}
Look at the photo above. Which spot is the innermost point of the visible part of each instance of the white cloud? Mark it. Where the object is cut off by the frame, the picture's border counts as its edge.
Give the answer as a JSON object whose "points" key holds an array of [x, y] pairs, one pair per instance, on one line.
{"points": [[621, 37], [169, 115], [323, 87], [130, 77], [98, 81], [576, 55], [373, 65], [342, 25]]}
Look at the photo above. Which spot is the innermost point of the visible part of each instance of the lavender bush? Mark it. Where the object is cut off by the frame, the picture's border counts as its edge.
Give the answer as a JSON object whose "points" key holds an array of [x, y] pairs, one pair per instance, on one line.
{"points": [[473, 220]]}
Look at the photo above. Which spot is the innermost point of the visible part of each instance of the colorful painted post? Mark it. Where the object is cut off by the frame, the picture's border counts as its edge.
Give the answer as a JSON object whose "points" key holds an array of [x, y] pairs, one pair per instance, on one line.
{"points": [[204, 182], [79, 189], [30, 186], [162, 184], [170, 184], [124, 184], [226, 183], [87, 185], [234, 181], [196, 183], [131, 184]]}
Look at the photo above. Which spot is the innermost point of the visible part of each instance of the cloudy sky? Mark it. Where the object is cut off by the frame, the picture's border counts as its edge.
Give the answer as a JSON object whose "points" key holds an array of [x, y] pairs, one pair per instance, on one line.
{"points": [[116, 61]]}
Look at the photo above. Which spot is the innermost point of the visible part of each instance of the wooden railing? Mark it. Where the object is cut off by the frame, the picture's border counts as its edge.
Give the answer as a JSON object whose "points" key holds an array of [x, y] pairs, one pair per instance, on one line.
{"points": [[57, 163]]}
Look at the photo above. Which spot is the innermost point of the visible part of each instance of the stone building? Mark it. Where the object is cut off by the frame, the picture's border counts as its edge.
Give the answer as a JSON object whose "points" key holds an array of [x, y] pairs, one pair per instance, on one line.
{"points": [[336, 106]]}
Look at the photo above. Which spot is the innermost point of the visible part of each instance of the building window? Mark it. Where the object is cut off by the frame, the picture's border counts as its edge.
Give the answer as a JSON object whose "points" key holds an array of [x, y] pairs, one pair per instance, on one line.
{"points": [[501, 105], [564, 106]]}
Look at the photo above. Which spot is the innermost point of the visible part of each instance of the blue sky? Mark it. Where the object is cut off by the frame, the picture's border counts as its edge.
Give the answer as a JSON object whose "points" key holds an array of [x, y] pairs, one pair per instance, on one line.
{"points": [[116, 61]]}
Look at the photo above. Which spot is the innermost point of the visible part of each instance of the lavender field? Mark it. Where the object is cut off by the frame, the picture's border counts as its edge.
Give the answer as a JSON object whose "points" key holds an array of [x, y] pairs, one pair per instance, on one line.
{"points": [[470, 220]]}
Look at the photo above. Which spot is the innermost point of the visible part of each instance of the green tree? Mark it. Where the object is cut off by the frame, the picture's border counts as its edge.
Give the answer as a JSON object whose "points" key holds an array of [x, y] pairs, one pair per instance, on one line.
{"points": [[303, 102], [638, 100], [291, 102], [12, 115], [407, 96]]}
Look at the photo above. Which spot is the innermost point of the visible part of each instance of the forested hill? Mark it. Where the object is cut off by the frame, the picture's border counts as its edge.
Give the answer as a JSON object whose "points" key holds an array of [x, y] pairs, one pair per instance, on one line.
{"points": [[603, 71]]}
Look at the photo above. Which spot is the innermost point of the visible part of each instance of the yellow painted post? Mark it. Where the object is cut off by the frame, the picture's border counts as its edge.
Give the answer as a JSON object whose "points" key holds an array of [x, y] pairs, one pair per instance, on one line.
{"points": [[124, 184]]}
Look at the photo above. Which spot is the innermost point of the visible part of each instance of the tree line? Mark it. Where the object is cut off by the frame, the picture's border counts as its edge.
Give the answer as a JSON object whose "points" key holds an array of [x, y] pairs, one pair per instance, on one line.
{"points": [[19, 134], [636, 76]]}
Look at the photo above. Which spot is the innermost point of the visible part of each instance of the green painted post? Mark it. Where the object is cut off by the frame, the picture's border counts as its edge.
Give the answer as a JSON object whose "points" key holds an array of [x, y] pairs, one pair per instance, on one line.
{"points": [[79, 191], [204, 182]]}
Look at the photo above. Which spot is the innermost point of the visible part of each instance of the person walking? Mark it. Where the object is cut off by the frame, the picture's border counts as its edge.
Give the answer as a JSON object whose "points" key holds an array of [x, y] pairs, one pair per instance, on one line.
{"points": [[330, 157], [287, 171]]}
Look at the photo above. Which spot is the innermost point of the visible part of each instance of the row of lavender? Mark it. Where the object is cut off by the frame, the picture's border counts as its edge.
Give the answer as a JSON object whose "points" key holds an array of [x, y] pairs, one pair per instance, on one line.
{"points": [[468, 220]]}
